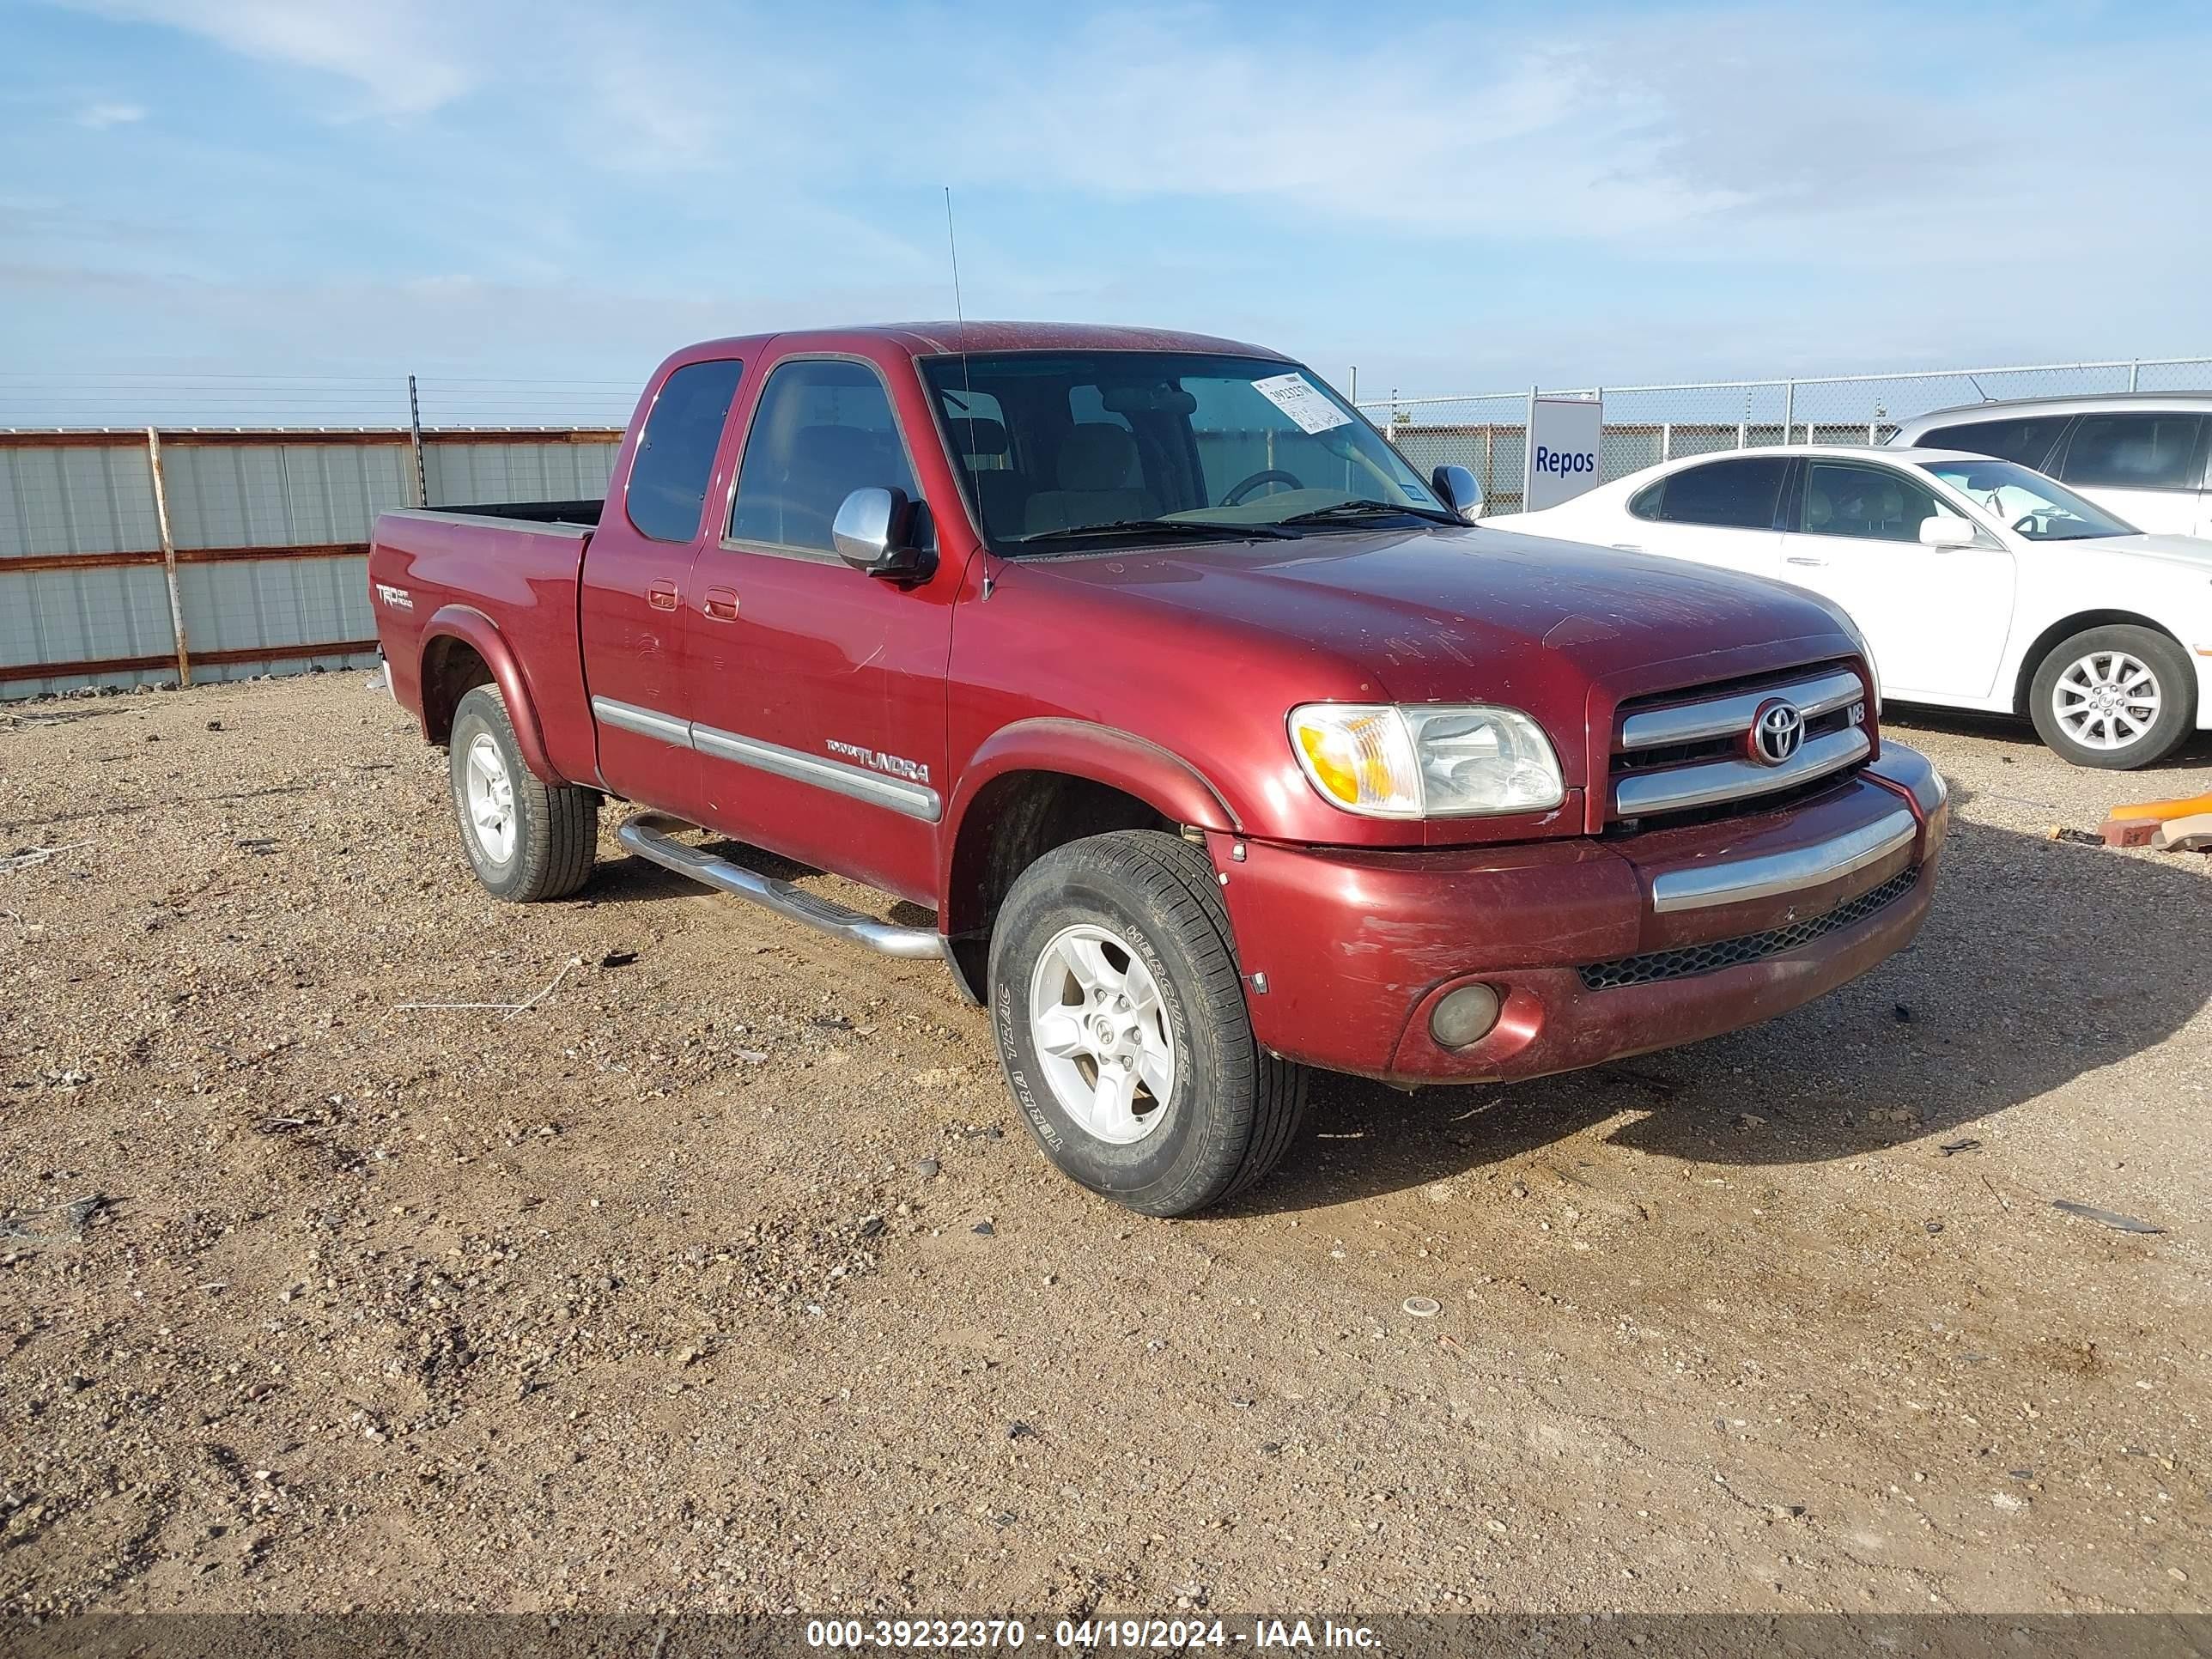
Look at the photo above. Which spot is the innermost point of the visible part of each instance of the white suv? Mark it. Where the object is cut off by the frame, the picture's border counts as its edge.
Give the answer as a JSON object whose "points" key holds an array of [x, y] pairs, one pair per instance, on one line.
{"points": [[2146, 456]]}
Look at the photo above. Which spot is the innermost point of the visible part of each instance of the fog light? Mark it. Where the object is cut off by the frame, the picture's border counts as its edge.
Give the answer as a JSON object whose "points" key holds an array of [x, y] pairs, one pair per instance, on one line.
{"points": [[1464, 1016]]}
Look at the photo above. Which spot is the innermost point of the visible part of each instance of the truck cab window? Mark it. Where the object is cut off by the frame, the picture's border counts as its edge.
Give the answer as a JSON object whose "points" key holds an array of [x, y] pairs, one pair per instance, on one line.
{"points": [[823, 430], [676, 452]]}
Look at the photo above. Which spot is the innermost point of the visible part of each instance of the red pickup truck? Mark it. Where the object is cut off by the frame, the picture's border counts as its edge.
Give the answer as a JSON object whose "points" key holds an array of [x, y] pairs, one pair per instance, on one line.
{"points": [[1219, 742]]}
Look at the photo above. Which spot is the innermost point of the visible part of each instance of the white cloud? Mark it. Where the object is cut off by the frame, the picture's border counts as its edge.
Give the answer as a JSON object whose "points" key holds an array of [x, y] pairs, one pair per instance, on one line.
{"points": [[394, 51], [98, 116]]}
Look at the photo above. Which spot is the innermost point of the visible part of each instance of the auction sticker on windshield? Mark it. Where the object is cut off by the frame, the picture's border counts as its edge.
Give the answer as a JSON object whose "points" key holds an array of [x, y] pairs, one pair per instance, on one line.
{"points": [[1303, 401]]}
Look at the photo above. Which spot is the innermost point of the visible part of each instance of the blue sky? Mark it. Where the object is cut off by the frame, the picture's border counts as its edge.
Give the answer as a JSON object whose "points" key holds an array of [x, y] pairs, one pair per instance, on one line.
{"points": [[1454, 197]]}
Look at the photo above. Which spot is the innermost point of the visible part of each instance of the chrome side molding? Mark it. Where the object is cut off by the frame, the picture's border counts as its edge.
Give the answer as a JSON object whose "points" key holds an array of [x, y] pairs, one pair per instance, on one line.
{"points": [[652, 835], [1705, 885], [913, 800]]}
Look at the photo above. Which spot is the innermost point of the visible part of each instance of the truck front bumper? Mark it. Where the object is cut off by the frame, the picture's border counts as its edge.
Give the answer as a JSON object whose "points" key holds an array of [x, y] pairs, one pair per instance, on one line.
{"points": [[1594, 949]]}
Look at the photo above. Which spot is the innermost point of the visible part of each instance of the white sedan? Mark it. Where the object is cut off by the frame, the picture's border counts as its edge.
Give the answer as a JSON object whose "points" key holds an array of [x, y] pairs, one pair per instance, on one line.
{"points": [[1978, 583]]}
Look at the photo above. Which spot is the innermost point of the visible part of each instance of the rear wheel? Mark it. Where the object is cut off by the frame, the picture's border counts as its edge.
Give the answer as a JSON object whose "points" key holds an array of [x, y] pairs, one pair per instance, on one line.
{"points": [[1120, 1014], [526, 839], [2116, 697]]}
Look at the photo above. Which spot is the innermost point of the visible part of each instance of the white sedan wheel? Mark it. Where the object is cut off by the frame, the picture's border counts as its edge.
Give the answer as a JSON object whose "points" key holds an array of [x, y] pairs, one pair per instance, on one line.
{"points": [[2107, 700]]}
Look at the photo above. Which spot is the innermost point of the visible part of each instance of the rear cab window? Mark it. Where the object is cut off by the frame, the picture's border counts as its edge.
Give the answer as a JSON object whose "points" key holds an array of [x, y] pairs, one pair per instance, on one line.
{"points": [[666, 493]]}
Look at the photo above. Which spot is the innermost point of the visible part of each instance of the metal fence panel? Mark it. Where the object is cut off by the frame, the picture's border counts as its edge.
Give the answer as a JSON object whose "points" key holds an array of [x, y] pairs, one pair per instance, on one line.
{"points": [[101, 614], [281, 495], [462, 472], [265, 604], [84, 498]]}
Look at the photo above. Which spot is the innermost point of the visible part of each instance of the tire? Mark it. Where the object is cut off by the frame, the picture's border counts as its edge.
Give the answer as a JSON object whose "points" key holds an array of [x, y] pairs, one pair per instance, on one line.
{"points": [[551, 831], [2144, 663], [1150, 904]]}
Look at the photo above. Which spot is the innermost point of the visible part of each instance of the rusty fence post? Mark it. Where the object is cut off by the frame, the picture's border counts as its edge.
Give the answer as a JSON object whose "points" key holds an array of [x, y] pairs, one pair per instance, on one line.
{"points": [[169, 556], [415, 440]]}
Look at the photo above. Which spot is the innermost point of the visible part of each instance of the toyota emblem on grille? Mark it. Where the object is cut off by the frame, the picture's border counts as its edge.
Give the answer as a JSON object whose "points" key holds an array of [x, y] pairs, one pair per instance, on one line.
{"points": [[1776, 730]]}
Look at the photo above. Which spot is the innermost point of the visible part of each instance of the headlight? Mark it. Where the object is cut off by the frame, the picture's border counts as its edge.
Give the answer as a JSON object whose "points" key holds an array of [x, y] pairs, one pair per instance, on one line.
{"points": [[1426, 760]]}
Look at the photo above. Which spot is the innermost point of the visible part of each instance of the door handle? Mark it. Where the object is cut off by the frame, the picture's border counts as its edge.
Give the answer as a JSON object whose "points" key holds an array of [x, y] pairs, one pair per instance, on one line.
{"points": [[1799, 558], [662, 596], [720, 603], [1626, 547]]}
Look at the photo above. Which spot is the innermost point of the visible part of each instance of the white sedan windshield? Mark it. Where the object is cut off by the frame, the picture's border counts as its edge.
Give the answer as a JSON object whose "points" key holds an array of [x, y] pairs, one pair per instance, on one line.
{"points": [[2039, 508]]}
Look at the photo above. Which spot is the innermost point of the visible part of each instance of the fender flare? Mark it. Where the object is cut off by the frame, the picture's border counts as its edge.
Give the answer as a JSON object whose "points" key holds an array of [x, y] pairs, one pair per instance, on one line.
{"points": [[473, 628], [1138, 767], [1104, 754]]}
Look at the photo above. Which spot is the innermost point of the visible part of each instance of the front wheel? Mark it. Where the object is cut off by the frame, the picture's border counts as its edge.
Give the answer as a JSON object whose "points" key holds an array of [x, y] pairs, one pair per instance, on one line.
{"points": [[1120, 1014], [2116, 697]]}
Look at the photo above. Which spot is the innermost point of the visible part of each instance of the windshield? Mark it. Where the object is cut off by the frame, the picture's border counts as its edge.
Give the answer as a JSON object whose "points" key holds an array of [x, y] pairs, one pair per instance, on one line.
{"points": [[2039, 508], [1069, 450]]}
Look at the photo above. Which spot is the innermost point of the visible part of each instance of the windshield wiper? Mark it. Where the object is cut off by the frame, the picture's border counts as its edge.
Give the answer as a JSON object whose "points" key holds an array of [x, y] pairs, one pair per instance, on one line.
{"points": [[1350, 510], [1212, 532]]}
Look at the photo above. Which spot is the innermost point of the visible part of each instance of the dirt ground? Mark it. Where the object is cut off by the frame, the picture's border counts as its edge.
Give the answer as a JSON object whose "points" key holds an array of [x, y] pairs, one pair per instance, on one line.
{"points": [[672, 1288]]}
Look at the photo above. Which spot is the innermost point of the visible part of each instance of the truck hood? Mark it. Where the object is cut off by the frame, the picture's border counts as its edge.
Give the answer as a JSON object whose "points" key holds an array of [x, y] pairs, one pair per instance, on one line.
{"points": [[1481, 614]]}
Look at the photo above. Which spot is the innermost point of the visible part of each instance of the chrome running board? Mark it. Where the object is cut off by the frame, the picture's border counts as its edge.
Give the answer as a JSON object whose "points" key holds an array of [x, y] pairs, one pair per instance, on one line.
{"points": [[652, 835]]}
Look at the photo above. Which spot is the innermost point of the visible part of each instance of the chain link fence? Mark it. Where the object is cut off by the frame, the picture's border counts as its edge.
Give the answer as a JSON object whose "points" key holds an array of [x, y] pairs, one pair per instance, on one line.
{"points": [[1646, 424]]}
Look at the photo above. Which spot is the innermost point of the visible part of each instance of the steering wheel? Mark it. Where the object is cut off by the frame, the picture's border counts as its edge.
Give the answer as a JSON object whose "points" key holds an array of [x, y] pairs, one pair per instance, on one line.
{"points": [[2025, 523], [1270, 474]]}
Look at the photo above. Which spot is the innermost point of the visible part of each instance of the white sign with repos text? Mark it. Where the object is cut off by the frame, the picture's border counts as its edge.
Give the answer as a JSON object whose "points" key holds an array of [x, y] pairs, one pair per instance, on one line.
{"points": [[1303, 401], [1566, 436]]}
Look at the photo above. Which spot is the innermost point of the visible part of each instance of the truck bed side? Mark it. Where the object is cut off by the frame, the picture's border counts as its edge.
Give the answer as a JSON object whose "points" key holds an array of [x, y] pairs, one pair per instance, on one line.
{"points": [[462, 598]]}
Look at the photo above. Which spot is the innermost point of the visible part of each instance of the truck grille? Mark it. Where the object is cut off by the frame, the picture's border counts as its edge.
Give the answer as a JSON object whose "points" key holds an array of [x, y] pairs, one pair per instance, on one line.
{"points": [[1682, 752], [1680, 963]]}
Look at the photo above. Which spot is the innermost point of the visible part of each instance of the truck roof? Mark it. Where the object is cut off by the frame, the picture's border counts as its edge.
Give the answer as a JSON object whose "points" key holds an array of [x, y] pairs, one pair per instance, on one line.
{"points": [[930, 339]]}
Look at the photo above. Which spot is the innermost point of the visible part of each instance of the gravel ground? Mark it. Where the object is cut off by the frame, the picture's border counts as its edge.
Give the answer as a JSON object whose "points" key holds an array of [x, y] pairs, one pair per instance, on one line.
{"points": [[720, 1274]]}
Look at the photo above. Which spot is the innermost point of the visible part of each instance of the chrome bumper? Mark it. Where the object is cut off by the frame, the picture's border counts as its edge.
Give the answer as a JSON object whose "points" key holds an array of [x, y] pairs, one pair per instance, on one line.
{"points": [[1905, 771], [1783, 872]]}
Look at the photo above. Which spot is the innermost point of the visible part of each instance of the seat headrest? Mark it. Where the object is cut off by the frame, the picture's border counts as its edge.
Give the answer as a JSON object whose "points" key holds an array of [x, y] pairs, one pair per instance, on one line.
{"points": [[1095, 455], [1819, 510], [841, 452], [977, 436]]}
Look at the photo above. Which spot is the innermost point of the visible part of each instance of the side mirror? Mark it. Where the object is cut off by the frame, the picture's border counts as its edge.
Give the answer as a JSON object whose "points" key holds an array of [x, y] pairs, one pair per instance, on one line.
{"points": [[1461, 493], [872, 532], [1938, 532]]}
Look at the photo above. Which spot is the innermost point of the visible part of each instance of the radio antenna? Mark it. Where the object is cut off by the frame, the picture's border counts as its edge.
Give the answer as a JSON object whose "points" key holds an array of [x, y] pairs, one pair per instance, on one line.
{"points": [[952, 241], [960, 314]]}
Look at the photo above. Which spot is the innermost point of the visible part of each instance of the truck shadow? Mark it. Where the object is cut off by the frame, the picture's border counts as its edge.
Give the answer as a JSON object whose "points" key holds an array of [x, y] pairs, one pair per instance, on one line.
{"points": [[2040, 961]]}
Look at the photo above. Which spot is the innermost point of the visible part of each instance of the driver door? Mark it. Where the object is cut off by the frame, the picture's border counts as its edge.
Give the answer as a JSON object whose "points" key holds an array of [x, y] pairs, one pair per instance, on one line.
{"points": [[1936, 617], [817, 692]]}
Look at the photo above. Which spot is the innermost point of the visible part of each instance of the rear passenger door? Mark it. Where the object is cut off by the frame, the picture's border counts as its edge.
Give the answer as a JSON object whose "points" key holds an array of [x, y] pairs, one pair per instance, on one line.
{"points": [[630, 600], [1719, 511], [2146, 465], [815, 692]]}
